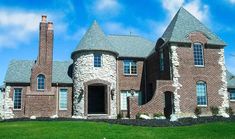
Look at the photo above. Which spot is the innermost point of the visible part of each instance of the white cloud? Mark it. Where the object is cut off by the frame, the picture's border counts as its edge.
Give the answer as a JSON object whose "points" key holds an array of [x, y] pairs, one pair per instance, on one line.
{"points": [[19, 27], [195, 7], [232, 1], [104, 7]]}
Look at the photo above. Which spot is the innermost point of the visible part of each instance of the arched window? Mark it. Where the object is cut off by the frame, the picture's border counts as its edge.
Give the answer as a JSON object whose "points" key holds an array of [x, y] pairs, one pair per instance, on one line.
{"points": [[201, 93], [198, 54], [41, 82]]}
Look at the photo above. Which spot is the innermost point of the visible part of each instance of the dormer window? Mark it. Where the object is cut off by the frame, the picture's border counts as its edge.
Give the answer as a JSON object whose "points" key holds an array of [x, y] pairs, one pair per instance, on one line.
{"points": [[40, 82], [198, 54], [97, 60]]}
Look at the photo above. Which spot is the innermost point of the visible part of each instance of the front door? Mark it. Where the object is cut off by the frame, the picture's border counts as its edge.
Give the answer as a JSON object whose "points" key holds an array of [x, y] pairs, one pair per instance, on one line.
{"points": [[96, 100], [169, 104]]}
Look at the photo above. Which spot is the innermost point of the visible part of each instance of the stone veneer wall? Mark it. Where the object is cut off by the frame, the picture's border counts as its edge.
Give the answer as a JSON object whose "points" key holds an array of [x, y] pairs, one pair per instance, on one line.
{"points": [[223, 90], [176, 76], [84, 71], [7, 112]]}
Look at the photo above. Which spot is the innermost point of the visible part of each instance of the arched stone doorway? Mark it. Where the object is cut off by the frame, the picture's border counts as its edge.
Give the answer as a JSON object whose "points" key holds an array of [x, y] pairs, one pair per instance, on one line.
{"points": [[97, 97], [169, 104]]}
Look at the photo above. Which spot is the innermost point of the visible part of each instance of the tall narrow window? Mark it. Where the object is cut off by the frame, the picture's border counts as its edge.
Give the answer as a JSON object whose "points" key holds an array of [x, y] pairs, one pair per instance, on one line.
{"points": [[63, 99], [161, 60], [17, 98], [41, 82], [97, 60], [232, 94], [201, 93], [198, 54], [126, 94], [130, 67]]}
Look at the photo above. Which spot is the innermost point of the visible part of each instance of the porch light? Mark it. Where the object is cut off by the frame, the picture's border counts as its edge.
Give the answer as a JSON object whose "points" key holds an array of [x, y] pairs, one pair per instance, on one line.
{"points": [[81, 91], [112, 93], [132, 92]]}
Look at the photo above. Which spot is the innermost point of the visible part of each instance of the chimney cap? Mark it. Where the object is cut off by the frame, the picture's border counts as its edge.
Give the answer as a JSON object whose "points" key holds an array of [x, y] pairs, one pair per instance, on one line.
{"points": [[50, 25], [44, 18]]}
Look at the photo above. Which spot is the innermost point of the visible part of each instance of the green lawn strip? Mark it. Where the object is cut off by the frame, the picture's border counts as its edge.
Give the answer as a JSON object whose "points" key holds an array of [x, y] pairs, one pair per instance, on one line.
{"points": [[93, 130]]}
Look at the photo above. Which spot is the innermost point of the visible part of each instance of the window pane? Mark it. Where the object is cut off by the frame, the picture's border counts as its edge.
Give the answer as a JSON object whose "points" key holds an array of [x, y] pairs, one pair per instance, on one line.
{"points": [[126, 66], [41, 82], [201, 93], [17, 98], [63, 99], [97, 60], [133, 67], [232, 94], [198, 54]]}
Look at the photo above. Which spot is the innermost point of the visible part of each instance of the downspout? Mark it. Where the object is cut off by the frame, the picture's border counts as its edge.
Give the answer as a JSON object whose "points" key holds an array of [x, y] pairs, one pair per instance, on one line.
{"points": [[57, 98], [117, 89], [145, 80]]}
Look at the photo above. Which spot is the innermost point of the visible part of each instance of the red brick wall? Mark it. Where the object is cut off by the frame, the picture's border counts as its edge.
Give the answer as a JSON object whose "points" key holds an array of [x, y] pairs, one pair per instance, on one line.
{"points": [[42, 104]]}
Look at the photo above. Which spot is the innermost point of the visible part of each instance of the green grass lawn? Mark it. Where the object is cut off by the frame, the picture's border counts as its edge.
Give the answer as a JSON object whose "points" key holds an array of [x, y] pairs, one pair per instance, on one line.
{"points": [[93, 130]]}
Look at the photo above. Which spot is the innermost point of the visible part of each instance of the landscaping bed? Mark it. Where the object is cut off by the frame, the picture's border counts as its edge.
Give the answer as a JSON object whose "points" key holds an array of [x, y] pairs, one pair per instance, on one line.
{"points": [[140, 122]]}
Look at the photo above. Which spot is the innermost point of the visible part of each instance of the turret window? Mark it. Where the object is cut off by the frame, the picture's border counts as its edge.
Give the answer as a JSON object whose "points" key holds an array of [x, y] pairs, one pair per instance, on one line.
{"points": [[97, 60], [41, 82], [198, 54]]}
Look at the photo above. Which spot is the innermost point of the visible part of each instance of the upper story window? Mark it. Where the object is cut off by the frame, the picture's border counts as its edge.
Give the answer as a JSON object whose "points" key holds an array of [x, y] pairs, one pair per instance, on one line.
{"points": [[17, 98], [63, 99], [130, 67], [198, 54], [41, 82], [201, 93], [97, 60], [161, 60], [232, 94]]}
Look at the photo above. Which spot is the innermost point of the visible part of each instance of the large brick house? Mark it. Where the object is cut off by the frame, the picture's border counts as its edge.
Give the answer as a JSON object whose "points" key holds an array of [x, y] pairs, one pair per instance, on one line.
{"points": [[112, 74]]}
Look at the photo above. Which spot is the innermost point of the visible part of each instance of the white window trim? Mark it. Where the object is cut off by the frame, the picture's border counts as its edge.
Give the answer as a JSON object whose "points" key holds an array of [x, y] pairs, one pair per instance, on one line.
{"points": [[203, 61], [14, 100], [63, 109], [206, 95], [128, 74], [128, 94]]}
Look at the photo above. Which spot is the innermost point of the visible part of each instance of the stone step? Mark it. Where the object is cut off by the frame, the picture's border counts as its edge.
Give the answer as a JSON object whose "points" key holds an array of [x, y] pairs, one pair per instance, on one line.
{"points": [[97, 116]]}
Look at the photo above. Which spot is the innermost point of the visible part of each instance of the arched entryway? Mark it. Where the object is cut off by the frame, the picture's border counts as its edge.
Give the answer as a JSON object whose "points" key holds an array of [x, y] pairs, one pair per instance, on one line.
{"points": [[169, 104], [97, 99]]}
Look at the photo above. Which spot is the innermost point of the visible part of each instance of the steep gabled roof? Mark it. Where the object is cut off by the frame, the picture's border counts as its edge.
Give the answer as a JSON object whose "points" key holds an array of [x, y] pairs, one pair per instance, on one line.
{"points": [[19, 71], [131, 46], [94, 39], [183, 24]]}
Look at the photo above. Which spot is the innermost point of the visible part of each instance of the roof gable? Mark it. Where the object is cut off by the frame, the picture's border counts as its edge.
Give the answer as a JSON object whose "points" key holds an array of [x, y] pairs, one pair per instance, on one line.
{"points": [[185, 23]]}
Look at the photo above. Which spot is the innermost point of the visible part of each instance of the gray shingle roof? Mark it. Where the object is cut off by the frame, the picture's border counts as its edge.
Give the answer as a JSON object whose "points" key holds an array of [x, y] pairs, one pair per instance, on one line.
{"points": [[230, 80], [183, 24], [19, 71], [131, 46], [123, 45], [94, 39]]}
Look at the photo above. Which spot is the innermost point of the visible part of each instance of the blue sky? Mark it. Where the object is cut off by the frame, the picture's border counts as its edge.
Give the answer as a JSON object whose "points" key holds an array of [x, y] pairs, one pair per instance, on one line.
{"points": [[19, 23]]}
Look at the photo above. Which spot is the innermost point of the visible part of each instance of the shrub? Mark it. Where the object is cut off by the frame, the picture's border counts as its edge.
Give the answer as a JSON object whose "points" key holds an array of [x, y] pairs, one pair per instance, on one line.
{"points": [[197, 111], [120, 116], [138, 115], [214, 110], [229, 111], [157, 115]]}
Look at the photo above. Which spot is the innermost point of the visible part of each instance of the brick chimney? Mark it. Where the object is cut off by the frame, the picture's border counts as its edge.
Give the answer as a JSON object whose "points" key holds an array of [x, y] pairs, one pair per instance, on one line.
{"points": [[43, 65]]}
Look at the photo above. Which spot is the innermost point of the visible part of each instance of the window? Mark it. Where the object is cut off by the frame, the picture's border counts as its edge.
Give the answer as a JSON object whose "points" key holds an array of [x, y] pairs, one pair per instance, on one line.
{"points": [[97, 60], [41, 82], [130, 67], [232, 94], [201, 93], [63, 99], [17, 98], [161, 60], [125, 95], [198, 54]]}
